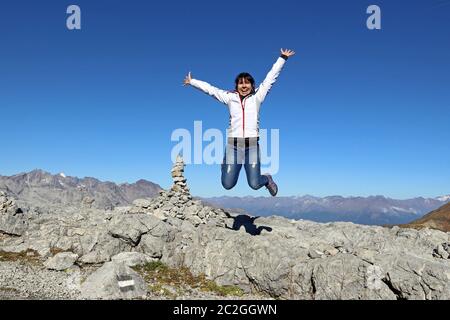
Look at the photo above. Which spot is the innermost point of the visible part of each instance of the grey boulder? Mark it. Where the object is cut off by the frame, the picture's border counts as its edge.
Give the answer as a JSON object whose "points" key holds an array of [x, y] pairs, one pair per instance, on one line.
{"points": [[132, 259], [114, 281]]}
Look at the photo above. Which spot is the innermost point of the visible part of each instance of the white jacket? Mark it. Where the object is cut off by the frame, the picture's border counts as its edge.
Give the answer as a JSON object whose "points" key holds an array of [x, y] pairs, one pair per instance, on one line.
{"points": [[244, 115]]}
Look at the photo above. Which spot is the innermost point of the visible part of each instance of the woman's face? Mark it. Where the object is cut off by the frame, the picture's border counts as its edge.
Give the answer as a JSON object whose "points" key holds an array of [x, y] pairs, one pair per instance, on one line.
{"points": [[244, 87]]}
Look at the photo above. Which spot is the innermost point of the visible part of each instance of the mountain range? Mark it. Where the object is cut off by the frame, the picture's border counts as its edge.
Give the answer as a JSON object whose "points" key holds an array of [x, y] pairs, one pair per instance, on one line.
{"points": [[39, 188], [372, 210]]}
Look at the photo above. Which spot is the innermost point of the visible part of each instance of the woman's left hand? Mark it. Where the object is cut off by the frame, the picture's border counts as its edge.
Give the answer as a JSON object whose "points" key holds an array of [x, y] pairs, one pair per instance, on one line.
{"points": [[287, 52]]}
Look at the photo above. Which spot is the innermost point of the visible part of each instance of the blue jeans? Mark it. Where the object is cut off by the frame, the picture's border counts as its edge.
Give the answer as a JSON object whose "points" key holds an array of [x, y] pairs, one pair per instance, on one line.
{"points": [[238, 152]]}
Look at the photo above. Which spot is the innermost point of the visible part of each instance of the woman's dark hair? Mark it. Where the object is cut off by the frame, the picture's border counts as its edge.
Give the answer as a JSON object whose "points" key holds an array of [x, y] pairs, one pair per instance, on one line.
{"points": [[247, 76]]}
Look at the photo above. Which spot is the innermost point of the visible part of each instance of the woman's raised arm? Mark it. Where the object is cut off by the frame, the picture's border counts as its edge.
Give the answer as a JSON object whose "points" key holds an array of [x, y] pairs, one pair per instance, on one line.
{"points": [[273, 74], [221, 95]]}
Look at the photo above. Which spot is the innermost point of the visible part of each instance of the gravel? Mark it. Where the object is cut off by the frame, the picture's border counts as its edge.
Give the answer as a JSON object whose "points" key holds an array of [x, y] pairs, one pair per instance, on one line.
{"points": [[19, 280]]}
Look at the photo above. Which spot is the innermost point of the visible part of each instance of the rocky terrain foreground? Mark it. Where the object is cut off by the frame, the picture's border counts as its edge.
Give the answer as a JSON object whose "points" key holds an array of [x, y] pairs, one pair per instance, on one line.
{"points": [[126, 253]]}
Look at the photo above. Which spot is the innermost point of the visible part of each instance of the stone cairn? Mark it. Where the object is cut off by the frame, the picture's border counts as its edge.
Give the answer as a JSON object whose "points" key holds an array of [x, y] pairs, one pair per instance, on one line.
{"points": [[7, 205], [178, 202], [86, 200], [12, 218], [179, 181]]}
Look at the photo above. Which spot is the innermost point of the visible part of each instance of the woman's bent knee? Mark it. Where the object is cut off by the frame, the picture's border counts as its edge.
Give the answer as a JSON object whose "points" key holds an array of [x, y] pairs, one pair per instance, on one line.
{"points": [[255, 185], [228, 184]]}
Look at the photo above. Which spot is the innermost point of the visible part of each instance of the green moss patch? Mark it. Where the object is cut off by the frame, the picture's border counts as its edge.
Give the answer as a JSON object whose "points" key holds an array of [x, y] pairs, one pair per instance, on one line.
{"points": [[160, 278]]}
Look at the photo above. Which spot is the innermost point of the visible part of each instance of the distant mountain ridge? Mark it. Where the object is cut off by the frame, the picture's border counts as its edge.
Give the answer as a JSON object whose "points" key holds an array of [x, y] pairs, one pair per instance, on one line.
{"points": [[39, 188], [372, 210]]}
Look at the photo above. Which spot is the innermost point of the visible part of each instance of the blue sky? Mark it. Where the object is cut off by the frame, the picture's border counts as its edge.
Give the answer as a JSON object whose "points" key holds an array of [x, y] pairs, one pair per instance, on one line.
{"points": [[360, 112]]}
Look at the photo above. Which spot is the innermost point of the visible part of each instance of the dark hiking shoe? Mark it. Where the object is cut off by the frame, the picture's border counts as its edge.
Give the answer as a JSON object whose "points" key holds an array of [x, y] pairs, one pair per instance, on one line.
{"points": [[271, 185]]}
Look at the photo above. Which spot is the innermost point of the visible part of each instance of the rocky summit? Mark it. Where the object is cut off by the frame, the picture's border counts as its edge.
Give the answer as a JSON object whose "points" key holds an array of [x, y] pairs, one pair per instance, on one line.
{"points": [[83, 252]]}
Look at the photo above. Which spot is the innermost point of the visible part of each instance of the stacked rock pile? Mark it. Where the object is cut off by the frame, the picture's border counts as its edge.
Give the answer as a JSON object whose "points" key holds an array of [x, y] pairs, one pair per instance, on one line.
{"points": [[12, 220], [179, 181], [7, 205], [178, 202]]}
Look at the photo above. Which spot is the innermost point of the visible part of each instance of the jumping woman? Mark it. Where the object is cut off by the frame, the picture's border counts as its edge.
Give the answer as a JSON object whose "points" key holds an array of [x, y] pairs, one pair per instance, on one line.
{"points": [[243, 131]]}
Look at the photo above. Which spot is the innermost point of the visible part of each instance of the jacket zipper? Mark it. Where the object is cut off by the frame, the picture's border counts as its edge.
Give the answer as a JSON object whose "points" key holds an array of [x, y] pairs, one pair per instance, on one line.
{"points": [[243, 114]]}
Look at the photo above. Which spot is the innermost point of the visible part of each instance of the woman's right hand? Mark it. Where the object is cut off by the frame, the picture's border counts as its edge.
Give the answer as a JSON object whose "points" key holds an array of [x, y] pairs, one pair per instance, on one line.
{"points": [[187, 80]]}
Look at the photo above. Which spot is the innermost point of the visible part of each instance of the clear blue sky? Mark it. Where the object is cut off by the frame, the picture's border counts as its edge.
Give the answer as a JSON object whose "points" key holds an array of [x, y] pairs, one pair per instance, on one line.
{"points": [[360, 112]]}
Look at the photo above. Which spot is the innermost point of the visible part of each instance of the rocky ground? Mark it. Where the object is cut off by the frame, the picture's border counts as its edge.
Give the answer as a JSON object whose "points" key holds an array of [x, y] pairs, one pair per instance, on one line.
{"points": [[24, 281], [174, 247]]}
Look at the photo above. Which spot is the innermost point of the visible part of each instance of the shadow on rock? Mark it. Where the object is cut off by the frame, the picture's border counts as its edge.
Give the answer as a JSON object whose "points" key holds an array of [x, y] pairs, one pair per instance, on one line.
{"points": [[249, 225]]}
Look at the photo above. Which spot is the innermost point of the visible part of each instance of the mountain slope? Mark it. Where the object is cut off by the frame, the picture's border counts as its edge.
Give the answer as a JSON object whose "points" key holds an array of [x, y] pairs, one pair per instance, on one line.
{"points": [[42, 189], [438, 219]]}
